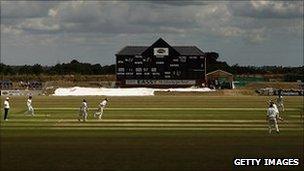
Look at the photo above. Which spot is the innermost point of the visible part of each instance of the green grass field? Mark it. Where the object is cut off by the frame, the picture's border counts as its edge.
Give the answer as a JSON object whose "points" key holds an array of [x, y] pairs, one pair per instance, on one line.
{"points": [[149, 133]]}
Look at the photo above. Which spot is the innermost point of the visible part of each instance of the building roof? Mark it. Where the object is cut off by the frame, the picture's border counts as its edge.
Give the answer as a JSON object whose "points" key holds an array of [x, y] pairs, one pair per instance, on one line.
{"points": [[188, 50], [221, 72], [132, 50], [183, 50]]}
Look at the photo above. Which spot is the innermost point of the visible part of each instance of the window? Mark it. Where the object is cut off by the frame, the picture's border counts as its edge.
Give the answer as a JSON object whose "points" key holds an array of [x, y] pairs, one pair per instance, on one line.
{"points": [[167, 72], [175, 60], [129, 59], [160, 62], [193, 57], [153, 69], [120, 61], [183, 58], [138, 69]]}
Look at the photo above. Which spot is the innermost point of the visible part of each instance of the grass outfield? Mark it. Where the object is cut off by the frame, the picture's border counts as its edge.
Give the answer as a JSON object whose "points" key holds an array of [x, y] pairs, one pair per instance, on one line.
{"points": [[149, 133]]}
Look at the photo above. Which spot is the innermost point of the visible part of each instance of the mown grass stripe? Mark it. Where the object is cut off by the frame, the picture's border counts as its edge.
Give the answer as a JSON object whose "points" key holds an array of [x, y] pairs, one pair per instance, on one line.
{"points": [[241, 109], [151, 120], [75, 124], [152, 128]]}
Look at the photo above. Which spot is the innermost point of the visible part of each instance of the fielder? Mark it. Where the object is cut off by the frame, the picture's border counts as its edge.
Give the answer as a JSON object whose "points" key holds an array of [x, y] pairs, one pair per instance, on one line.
{"points": [[30, 109], [280, 103], [272, 117], [276, 109], [83, 112], [101, 106], [6, 108]]}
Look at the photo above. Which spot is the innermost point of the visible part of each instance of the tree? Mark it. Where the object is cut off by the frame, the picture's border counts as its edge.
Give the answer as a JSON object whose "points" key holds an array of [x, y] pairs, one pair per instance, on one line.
{"points": [[211, 57], [37, 69]]}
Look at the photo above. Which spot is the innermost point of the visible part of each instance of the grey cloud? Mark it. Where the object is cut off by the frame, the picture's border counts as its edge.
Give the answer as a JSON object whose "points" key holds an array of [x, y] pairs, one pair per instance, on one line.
{"points": [[77, 12], [112, 25], [268, 9], [114, 17], [180, 17], [179, 3], [40, 24], [24, 9], [120, 18]]}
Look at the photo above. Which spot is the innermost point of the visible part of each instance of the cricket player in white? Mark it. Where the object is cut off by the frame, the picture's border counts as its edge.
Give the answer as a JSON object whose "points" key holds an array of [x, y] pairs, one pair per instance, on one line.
{"points": [[6, 108], [276, 109], [280, 103], [100, 109], [272, 118], [30, 109], [83, 114]]}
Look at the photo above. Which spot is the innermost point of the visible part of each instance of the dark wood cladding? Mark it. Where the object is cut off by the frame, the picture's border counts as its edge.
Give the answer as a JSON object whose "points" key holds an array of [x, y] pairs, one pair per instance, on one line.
{"points": [[160, 62]]}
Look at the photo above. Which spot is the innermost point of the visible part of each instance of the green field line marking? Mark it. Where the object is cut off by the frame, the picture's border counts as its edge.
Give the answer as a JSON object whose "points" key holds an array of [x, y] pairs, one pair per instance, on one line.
{"points": [[241, 109], [155, 129]]}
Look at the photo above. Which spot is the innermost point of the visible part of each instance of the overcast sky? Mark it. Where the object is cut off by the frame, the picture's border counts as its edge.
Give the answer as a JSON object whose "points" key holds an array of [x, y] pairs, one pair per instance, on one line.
{"points": [[243, 32]]}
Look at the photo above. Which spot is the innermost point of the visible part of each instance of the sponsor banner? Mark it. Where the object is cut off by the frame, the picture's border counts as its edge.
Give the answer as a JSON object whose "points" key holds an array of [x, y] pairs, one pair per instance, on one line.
{"points": [[293, 93], [11, 93], [161, 51], [284, 92], [160, 82]]}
